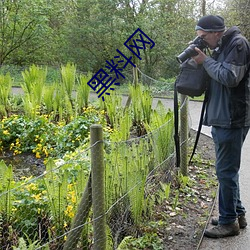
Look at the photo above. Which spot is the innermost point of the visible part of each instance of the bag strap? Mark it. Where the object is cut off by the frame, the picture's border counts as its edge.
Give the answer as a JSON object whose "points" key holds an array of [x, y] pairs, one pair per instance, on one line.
{"points": [[176, 126], [199, 127]]}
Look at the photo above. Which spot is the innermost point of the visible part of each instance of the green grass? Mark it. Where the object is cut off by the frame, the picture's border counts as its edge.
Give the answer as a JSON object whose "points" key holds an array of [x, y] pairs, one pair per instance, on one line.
{"points": [[53, 73]]}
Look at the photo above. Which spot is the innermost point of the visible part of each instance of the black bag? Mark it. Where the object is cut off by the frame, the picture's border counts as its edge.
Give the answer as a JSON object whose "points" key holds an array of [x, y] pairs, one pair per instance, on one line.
{"points": [[192, 80]]}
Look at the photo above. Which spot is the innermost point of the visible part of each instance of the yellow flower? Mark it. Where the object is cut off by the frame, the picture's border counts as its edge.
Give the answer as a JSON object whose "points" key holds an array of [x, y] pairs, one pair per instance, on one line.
{"points": [[37, 196], [38, 156], [69, 211], [31, 187], [103, 112], [6, 132], [14, 209], [45, 151], [73, 199], [16, 152], [26, 178]]}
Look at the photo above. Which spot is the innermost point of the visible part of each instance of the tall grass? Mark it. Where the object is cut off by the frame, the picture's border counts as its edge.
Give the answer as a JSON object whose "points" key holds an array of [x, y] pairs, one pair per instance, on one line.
{"points": [[114, 110], [5, 90], [6, 197], [83, 91], [34, 80], [161, 128], [141, 106], [68, 74], [48, 98]]}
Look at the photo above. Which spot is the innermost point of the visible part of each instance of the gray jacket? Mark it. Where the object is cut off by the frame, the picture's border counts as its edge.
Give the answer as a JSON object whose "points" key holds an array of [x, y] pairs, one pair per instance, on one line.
{"points": [[228, 103]]}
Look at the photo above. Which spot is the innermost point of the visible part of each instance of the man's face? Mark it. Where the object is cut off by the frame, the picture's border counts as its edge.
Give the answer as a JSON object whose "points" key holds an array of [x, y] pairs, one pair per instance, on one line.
{"points": [[211, 38]]}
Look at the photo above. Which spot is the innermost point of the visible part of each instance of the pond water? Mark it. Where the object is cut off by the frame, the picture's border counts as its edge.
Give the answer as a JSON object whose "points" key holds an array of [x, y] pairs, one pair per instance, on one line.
{"points": [[24, 165]]}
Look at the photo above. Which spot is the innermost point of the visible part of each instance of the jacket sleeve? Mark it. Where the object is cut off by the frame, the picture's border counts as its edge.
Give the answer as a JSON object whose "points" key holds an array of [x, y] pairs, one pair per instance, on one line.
{"points": [[234, 66]]}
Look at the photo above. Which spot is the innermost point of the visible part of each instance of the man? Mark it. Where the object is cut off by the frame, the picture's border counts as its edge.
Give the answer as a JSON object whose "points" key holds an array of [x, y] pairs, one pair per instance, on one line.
{"points": [[228, 112]]}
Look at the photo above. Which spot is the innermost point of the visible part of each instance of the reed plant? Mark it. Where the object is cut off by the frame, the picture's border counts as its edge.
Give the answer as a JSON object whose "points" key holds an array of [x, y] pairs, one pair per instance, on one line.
{"points": [[123, 129], [5, 90], [136, 178], [146, 102], [141, 106], [34, 80], [6, 184], [62, 106], [83, 91], [56, 184], [68, 74], [48, 98], [64, 182], [126, 172], [161, 132], [135, 93], [113, 108]]}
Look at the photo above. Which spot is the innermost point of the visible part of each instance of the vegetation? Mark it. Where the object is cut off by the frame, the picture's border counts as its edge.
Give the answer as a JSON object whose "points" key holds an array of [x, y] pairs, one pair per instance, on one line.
{"points": [[87, 33], [52, 119], [39, 210]]}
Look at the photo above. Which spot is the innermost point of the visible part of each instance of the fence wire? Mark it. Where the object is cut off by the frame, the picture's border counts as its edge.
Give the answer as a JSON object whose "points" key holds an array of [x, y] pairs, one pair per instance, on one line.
{"points": [[48, 203], [43, 210]]}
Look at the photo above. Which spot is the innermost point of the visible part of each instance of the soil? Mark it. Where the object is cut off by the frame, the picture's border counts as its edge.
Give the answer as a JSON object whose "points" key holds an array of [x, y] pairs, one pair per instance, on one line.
{"points": [[25, 164], [178, 220], [186, 223]]}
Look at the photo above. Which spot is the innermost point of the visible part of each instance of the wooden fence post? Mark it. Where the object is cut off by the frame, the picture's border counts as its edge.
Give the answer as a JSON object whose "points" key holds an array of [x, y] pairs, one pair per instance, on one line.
{"points": [[80, 218], [98, 195]]}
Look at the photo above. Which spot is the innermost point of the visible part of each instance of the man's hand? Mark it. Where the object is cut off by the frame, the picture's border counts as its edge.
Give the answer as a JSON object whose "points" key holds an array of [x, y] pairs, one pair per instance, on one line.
{"points": [[200, 58]]}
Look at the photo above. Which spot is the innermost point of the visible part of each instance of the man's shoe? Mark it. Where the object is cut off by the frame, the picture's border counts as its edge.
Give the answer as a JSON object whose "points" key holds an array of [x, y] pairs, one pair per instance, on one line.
{"points": [[221, 231], [241, 219]]}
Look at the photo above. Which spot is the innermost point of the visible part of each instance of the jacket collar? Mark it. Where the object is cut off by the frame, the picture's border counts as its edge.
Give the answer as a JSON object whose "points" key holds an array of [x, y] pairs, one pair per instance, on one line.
{"points": [[231, 32]]}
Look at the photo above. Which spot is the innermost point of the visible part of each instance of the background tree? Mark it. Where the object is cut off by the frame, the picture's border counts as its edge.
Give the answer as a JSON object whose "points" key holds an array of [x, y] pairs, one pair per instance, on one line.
{"points": [[237, 13], [101, 27], [21, 26], [88, 32]]}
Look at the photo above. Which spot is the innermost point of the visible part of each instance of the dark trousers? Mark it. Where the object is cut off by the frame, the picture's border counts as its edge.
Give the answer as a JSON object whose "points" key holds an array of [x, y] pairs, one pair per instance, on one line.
{"points": [[228, 145]]}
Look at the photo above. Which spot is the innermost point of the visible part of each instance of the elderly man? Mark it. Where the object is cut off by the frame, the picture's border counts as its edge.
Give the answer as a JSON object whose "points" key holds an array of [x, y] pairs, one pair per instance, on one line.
{"points": [[228, 112]]}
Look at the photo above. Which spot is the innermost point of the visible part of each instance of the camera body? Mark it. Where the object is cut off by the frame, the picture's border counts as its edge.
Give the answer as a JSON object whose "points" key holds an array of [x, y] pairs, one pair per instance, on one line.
{"points": [[190, 51]]}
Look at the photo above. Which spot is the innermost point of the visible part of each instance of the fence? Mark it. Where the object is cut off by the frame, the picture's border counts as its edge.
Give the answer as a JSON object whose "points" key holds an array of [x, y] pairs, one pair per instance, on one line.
{"points": [[95, 202]]}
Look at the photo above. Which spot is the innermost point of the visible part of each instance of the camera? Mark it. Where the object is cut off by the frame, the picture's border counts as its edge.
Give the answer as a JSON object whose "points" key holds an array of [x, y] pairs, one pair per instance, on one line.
{"points": [[190, 51]]}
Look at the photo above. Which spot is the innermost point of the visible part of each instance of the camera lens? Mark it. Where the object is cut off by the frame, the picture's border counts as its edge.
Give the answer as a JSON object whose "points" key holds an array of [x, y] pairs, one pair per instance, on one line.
{"points": [[187, 53]]}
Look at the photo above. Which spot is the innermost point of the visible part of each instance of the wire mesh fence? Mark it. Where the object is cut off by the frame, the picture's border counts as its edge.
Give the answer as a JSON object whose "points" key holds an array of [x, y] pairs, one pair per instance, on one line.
{"points": [[42, 210], [55, 210]]}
